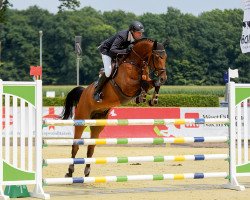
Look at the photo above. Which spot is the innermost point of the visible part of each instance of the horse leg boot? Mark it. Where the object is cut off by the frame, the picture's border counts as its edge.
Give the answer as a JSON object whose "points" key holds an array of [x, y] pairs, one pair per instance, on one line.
{"points": [[98, 89]]}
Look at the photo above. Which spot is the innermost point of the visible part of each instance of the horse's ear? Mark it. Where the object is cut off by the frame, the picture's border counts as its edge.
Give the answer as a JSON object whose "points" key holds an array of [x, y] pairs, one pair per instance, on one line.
{"points": [[155, 44], [166, 42]]}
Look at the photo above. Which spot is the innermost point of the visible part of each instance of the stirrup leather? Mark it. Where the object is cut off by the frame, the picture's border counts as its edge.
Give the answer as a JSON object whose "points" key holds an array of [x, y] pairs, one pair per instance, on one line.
{"points": [[98, 97]]}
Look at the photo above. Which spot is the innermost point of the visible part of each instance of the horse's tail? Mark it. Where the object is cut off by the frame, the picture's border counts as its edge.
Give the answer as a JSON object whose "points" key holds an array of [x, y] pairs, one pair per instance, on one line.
{"points": [[71, 100]]}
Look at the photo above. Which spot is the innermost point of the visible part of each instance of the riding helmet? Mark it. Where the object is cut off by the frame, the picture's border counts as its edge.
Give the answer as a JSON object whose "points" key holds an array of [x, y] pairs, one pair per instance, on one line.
{"points": [[136, 26]]}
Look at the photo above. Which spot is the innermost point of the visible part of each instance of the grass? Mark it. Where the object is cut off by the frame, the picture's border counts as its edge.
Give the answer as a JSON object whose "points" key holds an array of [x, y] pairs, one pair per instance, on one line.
{"points": [[219, 91], [60, 90], [201, 90]]}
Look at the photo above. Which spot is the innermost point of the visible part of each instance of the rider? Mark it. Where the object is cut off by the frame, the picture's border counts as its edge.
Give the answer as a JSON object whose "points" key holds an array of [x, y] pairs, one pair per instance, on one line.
{"points": [[117, 44]]}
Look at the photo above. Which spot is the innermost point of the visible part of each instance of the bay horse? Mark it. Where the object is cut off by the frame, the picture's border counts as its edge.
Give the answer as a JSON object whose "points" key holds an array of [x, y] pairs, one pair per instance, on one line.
{"points": [[144, 67]]}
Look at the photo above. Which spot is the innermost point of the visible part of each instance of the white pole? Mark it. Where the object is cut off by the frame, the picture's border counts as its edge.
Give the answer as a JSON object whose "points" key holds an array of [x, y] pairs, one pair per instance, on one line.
{"points": [[245, 106], [41, 45], [233, 184], [77, 69], [38, 190], [232, 130], [78, 50]]}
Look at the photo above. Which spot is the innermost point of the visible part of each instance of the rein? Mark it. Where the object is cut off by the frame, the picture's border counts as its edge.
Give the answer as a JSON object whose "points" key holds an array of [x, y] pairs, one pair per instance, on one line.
{"points": [[156, 72], [144, 65], [138, 56], [146, 72]]}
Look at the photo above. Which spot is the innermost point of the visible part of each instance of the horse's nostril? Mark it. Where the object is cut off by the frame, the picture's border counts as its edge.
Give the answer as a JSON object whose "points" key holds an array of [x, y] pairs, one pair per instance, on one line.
{"points": [[162, 80]]}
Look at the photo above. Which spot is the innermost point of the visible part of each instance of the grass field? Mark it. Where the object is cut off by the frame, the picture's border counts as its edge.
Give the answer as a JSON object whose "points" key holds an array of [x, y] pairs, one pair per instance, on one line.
{"points": [[202, 90]]}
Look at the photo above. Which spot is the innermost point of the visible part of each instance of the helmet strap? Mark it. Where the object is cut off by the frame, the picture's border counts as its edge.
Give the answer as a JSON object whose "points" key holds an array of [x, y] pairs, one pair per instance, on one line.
{"points": [[131, 36]]}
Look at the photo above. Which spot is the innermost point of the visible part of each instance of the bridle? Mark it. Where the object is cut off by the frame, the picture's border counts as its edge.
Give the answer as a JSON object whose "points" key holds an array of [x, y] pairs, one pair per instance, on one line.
{"points": [[147, 68], [154, 71]]}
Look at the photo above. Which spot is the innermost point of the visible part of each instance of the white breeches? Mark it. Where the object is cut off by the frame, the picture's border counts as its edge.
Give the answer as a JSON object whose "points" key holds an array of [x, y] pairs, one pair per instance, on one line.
{"points": [[107, 65]]}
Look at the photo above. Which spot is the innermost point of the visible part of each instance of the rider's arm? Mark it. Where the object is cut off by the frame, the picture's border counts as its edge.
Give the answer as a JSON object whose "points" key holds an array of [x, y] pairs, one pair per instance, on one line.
{"points": [[116, 46]]}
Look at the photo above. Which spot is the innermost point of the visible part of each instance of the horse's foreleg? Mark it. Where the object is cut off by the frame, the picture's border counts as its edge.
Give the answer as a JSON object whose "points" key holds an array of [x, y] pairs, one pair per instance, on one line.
{"points": [[141, 98], [75, 148], [154, 100]]}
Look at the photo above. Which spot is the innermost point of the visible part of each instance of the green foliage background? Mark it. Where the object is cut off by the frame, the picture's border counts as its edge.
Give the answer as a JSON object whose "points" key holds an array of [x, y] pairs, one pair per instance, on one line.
{"points": [[165, 100], [170, 96], [202, 47]]}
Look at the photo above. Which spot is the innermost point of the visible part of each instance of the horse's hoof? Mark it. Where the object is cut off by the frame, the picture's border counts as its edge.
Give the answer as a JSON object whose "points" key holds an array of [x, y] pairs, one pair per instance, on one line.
{"points": [[155, 101], [68, 175], [87, 171], [87, 175], [150, 103], [137, 100]]}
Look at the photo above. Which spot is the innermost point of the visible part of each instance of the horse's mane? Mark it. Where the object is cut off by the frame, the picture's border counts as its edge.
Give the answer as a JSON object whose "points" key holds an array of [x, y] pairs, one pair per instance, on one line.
{"points": [[158, 47], [143, 39]]}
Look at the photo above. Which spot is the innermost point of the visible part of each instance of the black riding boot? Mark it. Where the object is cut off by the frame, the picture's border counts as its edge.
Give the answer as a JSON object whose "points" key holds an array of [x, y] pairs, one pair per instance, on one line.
{"points": [[98, 89]]}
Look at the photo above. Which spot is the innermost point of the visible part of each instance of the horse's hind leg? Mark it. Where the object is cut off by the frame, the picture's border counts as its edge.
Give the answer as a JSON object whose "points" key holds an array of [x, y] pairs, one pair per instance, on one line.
{"points": [[95, 131], [75, 148]]}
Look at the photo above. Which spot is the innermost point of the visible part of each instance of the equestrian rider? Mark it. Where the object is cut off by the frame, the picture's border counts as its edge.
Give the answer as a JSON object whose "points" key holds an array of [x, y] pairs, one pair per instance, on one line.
{"points": [[110, 48]]}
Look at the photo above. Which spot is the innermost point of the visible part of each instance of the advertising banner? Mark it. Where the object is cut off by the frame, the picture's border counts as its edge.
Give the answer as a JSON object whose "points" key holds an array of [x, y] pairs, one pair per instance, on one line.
{"points": [[166, 130], [139, 131], [149, 131], [245, 37]]}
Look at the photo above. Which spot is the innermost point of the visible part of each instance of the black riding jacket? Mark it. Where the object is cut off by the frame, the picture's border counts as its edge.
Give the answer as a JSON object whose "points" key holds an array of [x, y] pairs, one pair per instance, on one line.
{"points": [[116, 44]]}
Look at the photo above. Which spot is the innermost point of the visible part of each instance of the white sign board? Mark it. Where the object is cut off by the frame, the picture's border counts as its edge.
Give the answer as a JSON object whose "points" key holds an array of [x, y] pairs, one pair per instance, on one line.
{"points": [[245, 38]]}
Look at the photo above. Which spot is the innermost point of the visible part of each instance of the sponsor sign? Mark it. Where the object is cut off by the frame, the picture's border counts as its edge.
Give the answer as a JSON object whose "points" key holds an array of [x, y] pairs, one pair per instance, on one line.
{"points": [[140, 131], [245, 37], [166, 130]]}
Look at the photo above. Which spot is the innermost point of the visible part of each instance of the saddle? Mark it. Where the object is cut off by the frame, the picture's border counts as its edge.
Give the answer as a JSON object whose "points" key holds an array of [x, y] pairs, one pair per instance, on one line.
{"points": [[140, 96], [114, 64]]}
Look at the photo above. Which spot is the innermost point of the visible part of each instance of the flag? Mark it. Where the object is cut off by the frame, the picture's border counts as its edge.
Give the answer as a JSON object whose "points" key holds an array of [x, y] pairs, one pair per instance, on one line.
{"points": [[233, 73], [245, 37], [36, 72]]}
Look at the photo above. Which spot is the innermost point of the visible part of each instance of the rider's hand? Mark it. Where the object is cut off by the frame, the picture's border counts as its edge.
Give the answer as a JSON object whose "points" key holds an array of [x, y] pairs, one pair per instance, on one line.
{"points": [[129, 48]]}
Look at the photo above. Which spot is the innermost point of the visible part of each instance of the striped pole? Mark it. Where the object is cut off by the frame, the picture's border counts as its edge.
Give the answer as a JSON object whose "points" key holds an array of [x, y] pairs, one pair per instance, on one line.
{"points": [[132, 122], [198, 157], [176, 140], [105, 179]]}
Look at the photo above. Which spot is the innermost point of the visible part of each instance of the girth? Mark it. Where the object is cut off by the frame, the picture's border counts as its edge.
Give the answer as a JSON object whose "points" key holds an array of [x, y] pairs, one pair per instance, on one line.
{"points": [[123, 97]]}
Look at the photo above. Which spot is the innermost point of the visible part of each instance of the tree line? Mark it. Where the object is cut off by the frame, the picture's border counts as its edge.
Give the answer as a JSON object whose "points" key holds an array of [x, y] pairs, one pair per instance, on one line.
{"points": [[201, 47]]}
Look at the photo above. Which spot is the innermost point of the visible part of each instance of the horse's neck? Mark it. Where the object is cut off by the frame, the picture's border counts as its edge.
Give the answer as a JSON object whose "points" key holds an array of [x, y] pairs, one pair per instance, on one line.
{"points": [[143, 48], [127, 79], [128, 76]]}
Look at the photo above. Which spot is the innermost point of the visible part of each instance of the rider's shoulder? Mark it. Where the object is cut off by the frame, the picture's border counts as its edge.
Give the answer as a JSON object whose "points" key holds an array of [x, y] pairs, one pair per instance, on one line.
{"points": [[123, 33]]}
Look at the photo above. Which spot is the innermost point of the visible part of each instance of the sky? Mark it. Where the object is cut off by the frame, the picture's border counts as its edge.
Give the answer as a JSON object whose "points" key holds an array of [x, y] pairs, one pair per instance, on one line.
{"points": [[138, 7]]}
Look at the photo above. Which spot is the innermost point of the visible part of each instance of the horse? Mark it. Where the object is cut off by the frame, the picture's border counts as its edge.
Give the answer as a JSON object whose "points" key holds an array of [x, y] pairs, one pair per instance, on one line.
{"points": [[141, 70]]}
